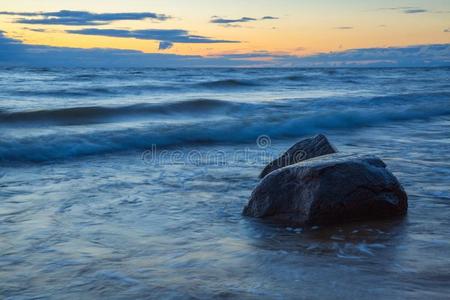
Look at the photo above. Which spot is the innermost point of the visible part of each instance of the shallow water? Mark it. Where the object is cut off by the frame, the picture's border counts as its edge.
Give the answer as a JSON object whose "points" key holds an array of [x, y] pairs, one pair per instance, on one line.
{"points": [[89, 208]]}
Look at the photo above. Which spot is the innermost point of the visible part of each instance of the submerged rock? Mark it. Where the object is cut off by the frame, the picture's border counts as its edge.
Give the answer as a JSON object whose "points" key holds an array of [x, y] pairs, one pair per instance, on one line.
{"points": [[329, 189], [303, 150]]}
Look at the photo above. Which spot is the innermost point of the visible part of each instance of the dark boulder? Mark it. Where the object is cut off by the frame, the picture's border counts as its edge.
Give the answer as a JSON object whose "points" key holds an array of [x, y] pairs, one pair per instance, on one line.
{"points": [[303, 150], [334, 188]]}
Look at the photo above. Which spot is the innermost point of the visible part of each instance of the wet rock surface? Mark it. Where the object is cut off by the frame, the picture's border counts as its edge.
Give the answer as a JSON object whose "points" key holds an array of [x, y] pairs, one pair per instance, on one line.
{"points": [[303, 150], [329, 189]]}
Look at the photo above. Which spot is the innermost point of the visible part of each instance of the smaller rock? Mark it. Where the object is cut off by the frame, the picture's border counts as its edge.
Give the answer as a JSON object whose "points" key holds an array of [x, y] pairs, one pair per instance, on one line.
{"points": [[303, 150]]}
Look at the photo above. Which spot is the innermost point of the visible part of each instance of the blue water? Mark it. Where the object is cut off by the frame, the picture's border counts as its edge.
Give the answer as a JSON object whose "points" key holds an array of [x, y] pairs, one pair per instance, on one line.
{"points": [[129, 183]]}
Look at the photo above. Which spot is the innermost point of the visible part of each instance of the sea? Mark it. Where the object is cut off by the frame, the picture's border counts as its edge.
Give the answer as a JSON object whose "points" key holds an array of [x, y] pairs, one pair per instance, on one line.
{"points": [[130, 183]]}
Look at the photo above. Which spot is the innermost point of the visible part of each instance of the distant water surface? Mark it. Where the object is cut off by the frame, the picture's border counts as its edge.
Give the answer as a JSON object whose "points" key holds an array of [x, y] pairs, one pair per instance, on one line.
{"points": [[129, 183]]}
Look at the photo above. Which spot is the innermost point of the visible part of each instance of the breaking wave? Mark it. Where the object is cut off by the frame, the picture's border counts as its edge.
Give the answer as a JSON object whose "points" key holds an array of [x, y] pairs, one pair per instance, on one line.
{"points": [[62, 146]]}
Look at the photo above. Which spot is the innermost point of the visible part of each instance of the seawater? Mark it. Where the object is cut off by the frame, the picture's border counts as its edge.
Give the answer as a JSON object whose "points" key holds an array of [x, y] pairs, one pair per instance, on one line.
{"points": [[129, 183]]}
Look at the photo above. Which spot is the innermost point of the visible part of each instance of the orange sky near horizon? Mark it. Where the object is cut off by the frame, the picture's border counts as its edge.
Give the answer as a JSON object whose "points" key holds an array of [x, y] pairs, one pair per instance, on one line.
{"points": [[302, 27]]}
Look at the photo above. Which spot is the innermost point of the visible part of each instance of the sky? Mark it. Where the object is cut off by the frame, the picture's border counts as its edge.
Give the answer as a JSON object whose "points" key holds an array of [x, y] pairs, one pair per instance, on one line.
{"points": [[218, 32]]}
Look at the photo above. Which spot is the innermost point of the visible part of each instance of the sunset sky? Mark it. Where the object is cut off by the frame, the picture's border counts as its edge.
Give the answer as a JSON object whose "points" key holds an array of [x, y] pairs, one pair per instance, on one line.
{"points": [[217, 27]]}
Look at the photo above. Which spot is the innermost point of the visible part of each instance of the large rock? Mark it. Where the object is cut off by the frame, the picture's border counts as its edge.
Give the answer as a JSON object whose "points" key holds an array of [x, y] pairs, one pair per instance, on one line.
{"points": [[303, 150], [329, 189]]}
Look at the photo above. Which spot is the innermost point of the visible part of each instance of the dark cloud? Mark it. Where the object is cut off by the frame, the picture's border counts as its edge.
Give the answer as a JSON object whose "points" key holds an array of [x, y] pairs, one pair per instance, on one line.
{"points": [[407, 9], [35, 29], [23, 14], [414, 11], [269, 18], [343, 28], [165, 45], [231, 25], [15, 53], [222, 21], [228, 21], [411, 56], [165, 35], [80, 18]]}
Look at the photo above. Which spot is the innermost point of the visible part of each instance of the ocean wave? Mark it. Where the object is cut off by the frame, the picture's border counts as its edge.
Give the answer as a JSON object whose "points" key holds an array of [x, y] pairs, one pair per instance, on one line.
{"points": [[64, 93], [100, 114], [297, 78], [263, 81], [103, 75], [96, 85], [145, 87], [63, 146], [228, 83], [95, 91], [82, 77], [196, 107]]}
